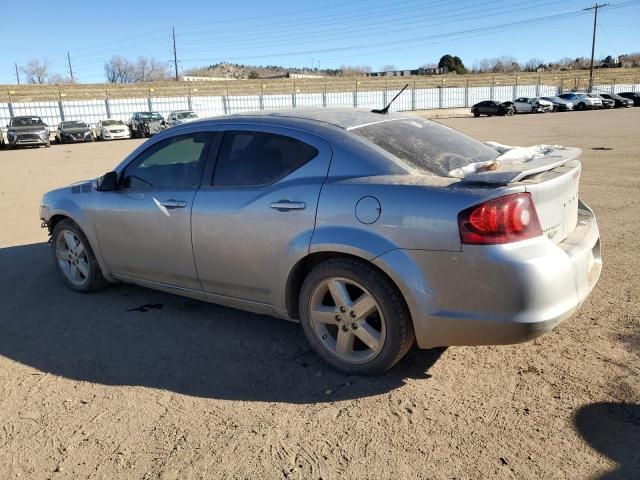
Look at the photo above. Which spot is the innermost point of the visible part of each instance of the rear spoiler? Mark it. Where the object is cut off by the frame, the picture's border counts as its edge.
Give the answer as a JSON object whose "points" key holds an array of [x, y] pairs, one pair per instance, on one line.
{"points": [[515, 170]]}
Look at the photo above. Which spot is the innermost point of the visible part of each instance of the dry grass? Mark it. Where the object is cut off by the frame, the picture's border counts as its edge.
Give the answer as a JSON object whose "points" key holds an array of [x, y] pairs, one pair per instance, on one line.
{"points": [[569, 80]]}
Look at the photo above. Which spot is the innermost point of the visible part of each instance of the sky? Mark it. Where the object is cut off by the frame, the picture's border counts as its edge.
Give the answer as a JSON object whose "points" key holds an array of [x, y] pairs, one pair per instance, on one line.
{"points": [[302, 33]]}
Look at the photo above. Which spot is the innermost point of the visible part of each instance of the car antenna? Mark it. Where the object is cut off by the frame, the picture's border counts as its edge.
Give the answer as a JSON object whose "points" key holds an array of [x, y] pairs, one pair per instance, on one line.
{"points": [[385, 110]]}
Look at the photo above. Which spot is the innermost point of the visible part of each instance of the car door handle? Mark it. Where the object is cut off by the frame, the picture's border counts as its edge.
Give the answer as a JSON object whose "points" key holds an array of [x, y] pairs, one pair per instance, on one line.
{"points": [[284, 205], [173, 204]]}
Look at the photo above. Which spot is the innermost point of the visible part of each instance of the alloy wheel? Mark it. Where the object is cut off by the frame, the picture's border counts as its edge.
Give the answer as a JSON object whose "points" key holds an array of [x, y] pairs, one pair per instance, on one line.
{"points": [[347, 320], [72, 257]]}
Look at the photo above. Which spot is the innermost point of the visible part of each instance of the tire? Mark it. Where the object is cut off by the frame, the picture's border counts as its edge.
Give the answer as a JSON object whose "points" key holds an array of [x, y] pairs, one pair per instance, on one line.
{"points": [[47, 145], [88, 276], [580, 107], [387, 326], [476, 113]]}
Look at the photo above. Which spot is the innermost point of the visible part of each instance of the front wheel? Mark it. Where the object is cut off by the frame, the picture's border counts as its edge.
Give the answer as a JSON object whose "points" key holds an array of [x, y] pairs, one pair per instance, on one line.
{"points": [[476, 113], [74, 258], [354, 317]]}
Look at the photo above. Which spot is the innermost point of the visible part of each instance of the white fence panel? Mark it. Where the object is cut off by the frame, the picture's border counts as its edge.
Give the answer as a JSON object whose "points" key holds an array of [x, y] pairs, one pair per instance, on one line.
{"points": [[478, 94], [5, 115], [89, 111], [549, 90], [371, 100], [453, 97], [402, 103], [48, 111], [208, 106], [274, 102], [502, 93], [123, 108], [243, 103], [427, 98], [309, 100], [165, 105]]}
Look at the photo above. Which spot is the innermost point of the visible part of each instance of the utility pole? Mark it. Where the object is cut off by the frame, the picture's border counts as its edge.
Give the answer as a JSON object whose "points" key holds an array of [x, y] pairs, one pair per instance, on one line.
{"points": [[17, 74], [595, 8], [175, 54], [70, 69]]}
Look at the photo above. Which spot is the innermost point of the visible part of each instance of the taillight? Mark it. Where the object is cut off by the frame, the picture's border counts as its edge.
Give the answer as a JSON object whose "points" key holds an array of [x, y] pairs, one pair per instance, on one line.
{"points": [[502, 220]]}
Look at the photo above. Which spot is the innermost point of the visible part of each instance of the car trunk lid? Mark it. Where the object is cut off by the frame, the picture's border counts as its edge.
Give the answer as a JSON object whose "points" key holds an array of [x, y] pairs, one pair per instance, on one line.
{"points": [[552, 181]]}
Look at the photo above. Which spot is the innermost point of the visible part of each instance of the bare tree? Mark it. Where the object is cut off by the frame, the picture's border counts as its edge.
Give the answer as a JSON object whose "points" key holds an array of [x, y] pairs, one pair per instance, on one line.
{"points": [[36, 71], [388, 68], [150, 70], [350, 70], [532, 64], [119, 70], [58, 79]]}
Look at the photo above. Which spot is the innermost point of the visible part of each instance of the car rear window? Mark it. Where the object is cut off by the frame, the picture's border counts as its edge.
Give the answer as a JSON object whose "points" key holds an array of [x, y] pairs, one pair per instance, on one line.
{"points": [[425, 145]]}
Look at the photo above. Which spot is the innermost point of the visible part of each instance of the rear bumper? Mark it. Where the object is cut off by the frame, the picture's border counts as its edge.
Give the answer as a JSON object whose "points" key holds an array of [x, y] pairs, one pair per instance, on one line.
{"points": [[497, 294]]}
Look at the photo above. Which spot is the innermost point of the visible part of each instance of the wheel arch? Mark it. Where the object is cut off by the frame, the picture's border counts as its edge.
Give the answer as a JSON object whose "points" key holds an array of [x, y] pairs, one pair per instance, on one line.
{"points": [[304, 266]]}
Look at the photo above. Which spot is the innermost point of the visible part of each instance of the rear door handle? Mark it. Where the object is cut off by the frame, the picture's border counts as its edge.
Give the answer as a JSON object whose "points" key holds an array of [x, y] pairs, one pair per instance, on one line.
{"points": [[168, 204], [284, 205]]}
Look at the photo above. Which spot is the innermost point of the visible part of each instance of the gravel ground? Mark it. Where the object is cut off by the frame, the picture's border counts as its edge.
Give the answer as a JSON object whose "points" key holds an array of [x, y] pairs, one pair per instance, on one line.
{"points": [[91, 386]]}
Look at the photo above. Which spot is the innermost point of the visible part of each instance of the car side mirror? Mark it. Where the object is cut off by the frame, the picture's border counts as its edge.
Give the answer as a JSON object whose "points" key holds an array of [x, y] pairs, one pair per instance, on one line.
{"points": [[108, 182]]}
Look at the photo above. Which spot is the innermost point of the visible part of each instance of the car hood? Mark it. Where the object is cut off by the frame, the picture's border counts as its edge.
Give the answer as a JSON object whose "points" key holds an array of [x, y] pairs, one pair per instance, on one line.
{"points": [[114, 127], [27, 129]]}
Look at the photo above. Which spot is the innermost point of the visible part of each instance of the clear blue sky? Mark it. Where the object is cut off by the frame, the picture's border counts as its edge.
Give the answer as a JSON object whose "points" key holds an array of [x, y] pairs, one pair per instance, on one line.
{"points": [[404, 33]]}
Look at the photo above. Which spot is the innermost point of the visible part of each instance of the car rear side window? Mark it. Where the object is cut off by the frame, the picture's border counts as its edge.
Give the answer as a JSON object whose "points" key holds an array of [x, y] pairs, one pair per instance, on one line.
{"points": [[427, 146], [250, 158], [176, 163]]}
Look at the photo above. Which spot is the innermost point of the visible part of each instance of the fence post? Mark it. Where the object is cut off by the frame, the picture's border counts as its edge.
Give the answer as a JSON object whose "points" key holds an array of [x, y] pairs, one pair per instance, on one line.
{"points": [[440, 94], [10, 104], [107, 105], [538, 87], [224, 104], [324, 94], [561, 86], [149, 100], [60, 105], [189, 99], [493, 80], [262, 97], [293, 95], [355, 96], [613, 86], [384, 94], [413, 96], [515, 90], [466, 94]]}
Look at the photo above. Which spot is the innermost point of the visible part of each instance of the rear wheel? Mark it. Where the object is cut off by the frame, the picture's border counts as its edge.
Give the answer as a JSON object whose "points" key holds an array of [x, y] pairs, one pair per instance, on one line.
{"points": [[476, 113], [580, 107], [74, 258], [354, 317]]}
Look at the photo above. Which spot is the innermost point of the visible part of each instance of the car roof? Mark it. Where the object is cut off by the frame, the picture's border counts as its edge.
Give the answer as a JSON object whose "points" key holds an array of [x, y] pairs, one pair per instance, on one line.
{"points": [[344, 118]]}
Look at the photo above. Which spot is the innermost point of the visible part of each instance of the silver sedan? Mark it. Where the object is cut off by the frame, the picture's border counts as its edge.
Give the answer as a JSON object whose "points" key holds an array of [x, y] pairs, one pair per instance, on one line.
{"points": [[358, 225]]}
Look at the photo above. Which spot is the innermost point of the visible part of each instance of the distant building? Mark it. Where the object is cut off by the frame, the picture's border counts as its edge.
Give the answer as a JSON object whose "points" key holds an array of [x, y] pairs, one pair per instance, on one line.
{"points": [[406, 73], [292, 75]]}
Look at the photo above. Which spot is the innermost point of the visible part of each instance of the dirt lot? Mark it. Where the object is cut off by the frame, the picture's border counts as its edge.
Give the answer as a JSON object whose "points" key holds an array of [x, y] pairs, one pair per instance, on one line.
{"points": [[90, 387]]}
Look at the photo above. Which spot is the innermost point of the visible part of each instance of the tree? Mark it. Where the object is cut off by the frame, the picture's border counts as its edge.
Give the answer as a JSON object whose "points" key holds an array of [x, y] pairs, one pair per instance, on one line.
{"points": [[350, 70], [57, 79], [253, 75], [118, 70], [532, 64], [36, 71], [388, 68], [121, 70], [452, 64]]}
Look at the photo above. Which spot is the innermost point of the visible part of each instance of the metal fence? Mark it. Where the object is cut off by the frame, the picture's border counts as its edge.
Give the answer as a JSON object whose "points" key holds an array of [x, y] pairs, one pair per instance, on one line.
{"points": [[91, 111]]}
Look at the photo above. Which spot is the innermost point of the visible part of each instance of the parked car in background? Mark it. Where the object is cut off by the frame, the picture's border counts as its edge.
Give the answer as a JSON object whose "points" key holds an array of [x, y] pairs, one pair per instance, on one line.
{"points": [[606, 102], [27, 131], [370, 230], [181, 116], [559, 104], [633, 96], [489, 107], [112, 129], [73, 131], [146, 124], [532, 105], [581, 101], [620, 102]]}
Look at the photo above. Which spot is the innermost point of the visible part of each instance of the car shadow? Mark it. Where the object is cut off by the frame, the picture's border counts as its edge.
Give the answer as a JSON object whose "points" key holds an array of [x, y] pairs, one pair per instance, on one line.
{"points": [[126, 335], [613, 429]]}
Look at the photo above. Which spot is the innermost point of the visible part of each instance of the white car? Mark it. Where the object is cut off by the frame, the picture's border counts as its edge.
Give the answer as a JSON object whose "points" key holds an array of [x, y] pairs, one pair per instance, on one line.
{"points": [[581, 101], [532, 105], [179, 117], [112, 129]]}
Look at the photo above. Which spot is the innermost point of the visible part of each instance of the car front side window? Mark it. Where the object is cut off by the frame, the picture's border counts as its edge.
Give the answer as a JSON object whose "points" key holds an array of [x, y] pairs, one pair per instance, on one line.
{"points": [[173, 163]]}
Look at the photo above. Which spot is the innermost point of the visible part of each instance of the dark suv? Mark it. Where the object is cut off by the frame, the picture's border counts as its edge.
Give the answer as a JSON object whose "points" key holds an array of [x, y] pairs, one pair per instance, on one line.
{"points": [[146, 124]]}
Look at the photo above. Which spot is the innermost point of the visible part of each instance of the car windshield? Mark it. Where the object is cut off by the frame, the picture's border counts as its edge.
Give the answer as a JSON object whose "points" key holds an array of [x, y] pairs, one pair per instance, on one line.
{"points": [[150, 116], [428, 146], [73, 124], [185, 115], [110, 123], [26, 122]]}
